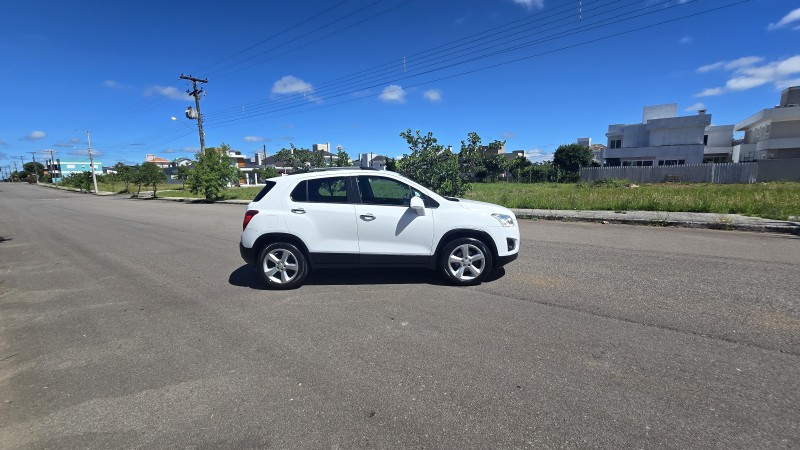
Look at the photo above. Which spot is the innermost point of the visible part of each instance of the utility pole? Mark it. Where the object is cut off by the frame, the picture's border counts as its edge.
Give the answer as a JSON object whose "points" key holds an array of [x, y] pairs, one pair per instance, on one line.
{"points": [[196, 94], [15, 171], [35, 169], [22, 162], [91, 159], [51, 164]]}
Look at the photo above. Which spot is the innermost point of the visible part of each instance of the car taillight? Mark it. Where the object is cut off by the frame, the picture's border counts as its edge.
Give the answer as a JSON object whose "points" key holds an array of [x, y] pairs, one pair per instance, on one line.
{"points": [[247, 217]]}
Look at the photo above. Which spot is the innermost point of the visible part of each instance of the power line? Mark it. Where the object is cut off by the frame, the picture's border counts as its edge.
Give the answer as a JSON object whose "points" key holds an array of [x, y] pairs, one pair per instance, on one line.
{"points": [[228, 122], [296, 102], [428, 55]]}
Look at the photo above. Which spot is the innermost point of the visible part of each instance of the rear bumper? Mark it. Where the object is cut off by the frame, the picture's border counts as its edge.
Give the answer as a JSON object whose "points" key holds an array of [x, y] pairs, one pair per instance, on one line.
{"points": [[248, 255]]}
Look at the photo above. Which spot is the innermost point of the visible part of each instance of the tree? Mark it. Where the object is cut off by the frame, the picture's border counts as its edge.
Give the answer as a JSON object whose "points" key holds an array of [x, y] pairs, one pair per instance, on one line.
{"points": [[518, 167], [137, 178], [183, 175], [432, 165], [124, 174], [568, 159], [212, 173], [481, 163], [342, 158], [30, 166], [300, 159], [267, 172], [150, 175]]}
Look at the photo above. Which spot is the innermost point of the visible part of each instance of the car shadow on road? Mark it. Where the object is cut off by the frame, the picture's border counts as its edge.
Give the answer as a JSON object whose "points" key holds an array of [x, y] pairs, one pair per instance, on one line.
{"points": [[247, 276]]}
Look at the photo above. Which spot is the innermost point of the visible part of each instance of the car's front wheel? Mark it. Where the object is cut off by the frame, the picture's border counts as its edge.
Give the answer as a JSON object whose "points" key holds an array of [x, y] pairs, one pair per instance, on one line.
{"points": [[466, 261], [282, 266]]}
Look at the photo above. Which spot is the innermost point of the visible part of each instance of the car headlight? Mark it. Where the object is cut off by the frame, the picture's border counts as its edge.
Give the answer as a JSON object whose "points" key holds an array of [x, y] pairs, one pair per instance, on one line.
{"points": [[504, 219]]}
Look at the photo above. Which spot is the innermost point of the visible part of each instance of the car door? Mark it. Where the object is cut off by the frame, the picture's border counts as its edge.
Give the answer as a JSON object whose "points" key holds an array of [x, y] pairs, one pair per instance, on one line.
{"points": [[389, 230], [319, 213]]}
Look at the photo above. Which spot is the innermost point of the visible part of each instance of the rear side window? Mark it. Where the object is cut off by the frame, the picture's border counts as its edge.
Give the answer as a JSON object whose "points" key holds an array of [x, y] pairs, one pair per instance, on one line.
{"points": [[265, 190], [321, 190]]}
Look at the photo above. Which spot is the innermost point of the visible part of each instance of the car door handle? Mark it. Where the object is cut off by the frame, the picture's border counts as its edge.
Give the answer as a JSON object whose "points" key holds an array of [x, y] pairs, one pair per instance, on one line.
{"points": [[299, 211], [367, 217]]}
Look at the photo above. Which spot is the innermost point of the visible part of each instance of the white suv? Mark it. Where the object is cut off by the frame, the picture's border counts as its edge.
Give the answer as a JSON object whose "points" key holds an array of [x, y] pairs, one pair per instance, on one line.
{"points": [[354, 217]]}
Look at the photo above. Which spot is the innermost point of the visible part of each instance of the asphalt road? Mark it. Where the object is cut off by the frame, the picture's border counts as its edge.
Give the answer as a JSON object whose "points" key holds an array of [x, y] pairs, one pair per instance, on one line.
{"points": [[130, 323]]}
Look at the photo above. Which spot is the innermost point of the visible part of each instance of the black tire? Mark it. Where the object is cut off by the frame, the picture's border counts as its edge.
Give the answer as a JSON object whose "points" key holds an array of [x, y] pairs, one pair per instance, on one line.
{"points": [[465, 261], [282, 266]]}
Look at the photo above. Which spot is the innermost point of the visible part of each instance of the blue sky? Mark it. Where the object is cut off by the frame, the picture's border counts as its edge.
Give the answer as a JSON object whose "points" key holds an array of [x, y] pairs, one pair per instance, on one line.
{"points": [[355, 73]]}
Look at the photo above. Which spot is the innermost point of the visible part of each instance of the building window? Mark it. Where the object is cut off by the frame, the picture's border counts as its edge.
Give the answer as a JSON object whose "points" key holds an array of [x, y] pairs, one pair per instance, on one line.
{"points": [[638, 163], [615, 143], [705, 140]]}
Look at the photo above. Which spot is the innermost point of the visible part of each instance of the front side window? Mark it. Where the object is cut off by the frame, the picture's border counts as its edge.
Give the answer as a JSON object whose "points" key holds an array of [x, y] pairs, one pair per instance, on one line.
{"points": [[384, 191]]}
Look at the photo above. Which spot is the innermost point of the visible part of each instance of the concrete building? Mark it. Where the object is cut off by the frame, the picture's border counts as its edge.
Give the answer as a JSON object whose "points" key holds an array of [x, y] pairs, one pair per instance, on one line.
{"points": [[664, 139], [64, 169], [773, 133]]}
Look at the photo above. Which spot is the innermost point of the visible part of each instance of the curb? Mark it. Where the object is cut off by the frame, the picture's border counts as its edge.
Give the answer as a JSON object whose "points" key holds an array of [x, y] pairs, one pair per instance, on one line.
{"points": [[660, 219]]}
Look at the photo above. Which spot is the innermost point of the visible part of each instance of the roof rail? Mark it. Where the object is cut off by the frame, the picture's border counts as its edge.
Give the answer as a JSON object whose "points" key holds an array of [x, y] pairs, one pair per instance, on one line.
{"points": [[324, 169]]}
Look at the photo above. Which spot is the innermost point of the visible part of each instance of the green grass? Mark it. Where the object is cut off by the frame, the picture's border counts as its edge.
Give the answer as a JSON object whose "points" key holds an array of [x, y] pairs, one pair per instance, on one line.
{"points": [[242, 193], [768, 200]]}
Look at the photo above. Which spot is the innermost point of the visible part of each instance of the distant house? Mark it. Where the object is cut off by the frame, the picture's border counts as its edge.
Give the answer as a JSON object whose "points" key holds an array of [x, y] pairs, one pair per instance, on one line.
{"points": [[377, 162], [64, 169], [773, 133], [160, 162], [665, 139]]}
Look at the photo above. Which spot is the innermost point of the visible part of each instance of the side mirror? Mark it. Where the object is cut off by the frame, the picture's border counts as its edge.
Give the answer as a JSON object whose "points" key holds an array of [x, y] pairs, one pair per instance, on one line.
{"points": [[418, 205]]}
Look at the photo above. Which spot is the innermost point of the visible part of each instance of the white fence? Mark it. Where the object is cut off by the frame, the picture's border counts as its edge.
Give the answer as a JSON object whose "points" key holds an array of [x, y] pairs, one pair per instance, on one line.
{"points": [[731, 173]]}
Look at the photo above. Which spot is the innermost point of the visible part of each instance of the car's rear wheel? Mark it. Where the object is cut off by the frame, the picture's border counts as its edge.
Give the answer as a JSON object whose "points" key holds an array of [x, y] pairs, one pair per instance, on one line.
{"points": [[466, 261], [282, 266]]}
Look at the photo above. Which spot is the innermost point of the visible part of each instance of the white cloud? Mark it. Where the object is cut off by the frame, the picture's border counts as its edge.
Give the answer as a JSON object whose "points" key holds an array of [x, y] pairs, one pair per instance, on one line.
{"points": [[293, 85], [792, 17], [685, 40], [112, 84], [169, 92], [70, 143], [710, 92], [507, 135], [393, 94], [290, 85], [538, 155], [695, 107], [84, 152], [787, 83], [530, 4], [254, 139], [433, 95], [35, 136], [746, 74], [731, 65], [3, 144]]}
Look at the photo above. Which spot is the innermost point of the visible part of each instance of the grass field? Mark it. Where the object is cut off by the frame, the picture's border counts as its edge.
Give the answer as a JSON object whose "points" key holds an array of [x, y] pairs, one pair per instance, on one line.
{"points": [[768, 200]]}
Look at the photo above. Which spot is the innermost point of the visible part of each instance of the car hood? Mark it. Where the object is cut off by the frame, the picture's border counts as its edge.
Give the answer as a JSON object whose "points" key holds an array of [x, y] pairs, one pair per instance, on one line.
{"points": [[489, 208]]}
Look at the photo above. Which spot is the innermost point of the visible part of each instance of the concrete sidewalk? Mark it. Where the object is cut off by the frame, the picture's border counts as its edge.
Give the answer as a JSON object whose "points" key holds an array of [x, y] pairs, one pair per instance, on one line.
{"points": [[662, 218]]}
